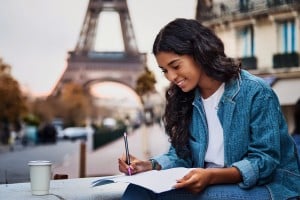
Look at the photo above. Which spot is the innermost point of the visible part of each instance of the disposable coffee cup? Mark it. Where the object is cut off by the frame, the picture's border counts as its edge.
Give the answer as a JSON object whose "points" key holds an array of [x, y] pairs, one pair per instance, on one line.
{"points": [[40, 174]]}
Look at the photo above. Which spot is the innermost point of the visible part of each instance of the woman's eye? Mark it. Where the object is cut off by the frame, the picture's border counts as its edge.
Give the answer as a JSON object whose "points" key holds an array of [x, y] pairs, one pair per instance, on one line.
{"points": [[176, 67], [164, 71]]}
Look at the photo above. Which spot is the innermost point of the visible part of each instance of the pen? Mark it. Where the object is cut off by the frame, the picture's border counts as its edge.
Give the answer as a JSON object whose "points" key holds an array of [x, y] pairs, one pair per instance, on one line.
{"points": [[127, 153]]}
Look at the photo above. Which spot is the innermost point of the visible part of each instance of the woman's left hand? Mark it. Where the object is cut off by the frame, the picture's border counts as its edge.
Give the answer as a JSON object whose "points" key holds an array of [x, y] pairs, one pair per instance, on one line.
{"points": [[195, 181]]}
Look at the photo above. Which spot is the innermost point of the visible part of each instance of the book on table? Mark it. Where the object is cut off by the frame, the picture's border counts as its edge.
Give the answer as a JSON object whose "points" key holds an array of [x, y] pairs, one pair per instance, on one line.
{"points": [[157, 181]]}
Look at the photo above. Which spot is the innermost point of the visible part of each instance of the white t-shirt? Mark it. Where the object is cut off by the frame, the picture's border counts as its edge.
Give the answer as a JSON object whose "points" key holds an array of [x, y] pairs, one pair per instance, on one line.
{"points": [[215, 149]]}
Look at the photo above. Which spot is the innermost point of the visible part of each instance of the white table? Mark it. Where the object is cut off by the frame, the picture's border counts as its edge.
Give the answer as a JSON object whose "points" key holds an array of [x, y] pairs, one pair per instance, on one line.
{"points": [[66, 189]]}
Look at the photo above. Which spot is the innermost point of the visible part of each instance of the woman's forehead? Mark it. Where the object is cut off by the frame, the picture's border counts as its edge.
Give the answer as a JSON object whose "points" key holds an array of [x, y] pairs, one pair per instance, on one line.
{"points": [[167, 58]]}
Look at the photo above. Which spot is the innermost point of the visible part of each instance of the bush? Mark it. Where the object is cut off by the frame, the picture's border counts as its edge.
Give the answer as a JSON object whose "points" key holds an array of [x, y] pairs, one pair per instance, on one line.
{"points": [[105, 135], [31, 120]]}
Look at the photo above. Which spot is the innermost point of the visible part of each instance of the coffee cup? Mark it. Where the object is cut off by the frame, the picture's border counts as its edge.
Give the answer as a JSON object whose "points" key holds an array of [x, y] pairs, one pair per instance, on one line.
{"points": [[40, 174]]}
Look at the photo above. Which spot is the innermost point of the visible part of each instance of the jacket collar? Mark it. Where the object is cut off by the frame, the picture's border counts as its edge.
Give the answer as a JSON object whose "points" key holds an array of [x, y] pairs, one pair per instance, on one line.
{"points": [[231, 89]]}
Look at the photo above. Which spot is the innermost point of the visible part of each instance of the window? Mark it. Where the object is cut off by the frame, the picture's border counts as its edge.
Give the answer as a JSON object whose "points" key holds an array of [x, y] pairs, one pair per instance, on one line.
{"points": [[245, 38], [287, 36], [245, 47], [287, 55]]}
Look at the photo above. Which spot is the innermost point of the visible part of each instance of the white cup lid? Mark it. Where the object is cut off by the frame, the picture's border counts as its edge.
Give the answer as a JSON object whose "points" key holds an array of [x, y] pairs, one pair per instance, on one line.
{"points": [[39, 162]]}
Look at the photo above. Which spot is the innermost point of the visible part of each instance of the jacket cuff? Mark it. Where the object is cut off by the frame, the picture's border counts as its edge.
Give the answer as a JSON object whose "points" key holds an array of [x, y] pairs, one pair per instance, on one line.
{"points": [[249, 174], [164, 162]]}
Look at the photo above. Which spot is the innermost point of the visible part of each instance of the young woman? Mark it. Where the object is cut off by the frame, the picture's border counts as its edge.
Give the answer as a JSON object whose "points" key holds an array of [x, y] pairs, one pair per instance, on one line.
{"points": [[222, 121]]}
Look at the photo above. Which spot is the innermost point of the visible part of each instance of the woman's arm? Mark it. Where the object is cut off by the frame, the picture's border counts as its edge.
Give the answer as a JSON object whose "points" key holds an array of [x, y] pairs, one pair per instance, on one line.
{"points": [[198, 179], [164, 161], [266, 127]]}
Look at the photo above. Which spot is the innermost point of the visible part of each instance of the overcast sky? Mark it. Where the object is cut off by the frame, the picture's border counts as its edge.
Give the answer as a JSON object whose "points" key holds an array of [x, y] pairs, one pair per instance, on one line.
{"points": [[36, 35]]}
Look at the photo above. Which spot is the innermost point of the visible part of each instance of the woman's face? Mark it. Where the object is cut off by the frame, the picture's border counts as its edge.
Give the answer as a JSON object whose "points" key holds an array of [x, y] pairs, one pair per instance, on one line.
{"points": [[182, 70]]}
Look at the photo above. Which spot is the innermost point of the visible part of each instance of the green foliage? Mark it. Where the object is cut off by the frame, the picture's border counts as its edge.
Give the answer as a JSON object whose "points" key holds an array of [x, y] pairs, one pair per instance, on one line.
{"points": [[145, 83], [105, 135], [75, 104], [44, 108], [31, 119], [12, 101]]}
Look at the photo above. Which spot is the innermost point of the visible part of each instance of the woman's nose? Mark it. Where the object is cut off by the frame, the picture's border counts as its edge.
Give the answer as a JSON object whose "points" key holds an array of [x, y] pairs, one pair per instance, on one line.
{"points": [[171, 76]]}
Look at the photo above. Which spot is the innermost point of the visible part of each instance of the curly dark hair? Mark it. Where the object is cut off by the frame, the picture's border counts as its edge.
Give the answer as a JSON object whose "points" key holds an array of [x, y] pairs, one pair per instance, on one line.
{"points": [[297, 118], [190, 37]]}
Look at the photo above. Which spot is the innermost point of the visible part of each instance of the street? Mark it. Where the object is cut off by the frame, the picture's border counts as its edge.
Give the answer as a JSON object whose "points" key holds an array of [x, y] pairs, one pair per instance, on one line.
{"points": [[14, 165], [143, 143]]}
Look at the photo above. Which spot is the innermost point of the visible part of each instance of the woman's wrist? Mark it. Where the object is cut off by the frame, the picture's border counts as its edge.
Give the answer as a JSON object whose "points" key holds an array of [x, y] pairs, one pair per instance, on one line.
{"points": [[154, 164], [223, 175], [148, 165]]}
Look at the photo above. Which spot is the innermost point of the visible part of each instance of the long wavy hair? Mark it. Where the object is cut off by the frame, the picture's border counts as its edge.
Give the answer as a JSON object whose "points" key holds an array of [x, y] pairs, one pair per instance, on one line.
{"points": [[297, 118], [190, 37]]}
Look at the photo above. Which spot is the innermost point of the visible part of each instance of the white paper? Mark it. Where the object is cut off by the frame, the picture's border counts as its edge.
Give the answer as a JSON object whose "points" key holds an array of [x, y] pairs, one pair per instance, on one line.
{"points": [[157, 181]]}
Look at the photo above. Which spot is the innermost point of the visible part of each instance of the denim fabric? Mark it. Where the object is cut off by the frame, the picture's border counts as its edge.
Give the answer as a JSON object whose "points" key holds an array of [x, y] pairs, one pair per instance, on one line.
{"points": [[256, 138], [216, 192], [296, 138]]}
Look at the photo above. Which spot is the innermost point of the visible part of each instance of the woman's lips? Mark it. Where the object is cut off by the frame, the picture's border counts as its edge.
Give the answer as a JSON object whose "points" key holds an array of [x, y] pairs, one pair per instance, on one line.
{"points": [[180, 83]]}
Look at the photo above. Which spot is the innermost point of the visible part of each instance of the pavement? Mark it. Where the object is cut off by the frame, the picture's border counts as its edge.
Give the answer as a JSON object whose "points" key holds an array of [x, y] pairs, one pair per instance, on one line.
{"points": [[4, 148], [145, 142]]}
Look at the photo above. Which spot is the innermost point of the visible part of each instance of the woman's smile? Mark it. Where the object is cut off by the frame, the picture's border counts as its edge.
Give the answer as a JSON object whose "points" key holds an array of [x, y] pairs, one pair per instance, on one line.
{"points": [[181, 82]]}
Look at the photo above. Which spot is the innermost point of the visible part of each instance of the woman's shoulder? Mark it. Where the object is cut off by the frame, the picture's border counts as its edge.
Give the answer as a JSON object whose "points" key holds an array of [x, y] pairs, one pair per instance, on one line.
{"points": [[253, 79], [252, 82], [250, 87]]}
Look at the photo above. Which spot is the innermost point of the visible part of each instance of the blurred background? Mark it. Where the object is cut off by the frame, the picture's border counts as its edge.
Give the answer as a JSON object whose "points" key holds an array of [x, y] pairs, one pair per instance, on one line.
{"points": [[74, 75]]}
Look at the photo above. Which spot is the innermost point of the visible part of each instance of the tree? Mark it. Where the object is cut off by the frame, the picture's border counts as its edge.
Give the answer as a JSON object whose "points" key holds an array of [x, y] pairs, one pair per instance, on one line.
{"points": [[12, 101], [145, 83], [145, 87], [43, 109], [4, 67], [76, 104]]}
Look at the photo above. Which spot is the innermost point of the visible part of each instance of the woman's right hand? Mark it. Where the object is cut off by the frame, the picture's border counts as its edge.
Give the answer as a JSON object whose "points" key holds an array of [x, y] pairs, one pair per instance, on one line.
{"points": [[136, 165]]}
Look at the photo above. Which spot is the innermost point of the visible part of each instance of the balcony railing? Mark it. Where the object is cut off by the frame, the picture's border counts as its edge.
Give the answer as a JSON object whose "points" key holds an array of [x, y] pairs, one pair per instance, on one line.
{"points": [[249, 62], [243, 7], [286, 60]]}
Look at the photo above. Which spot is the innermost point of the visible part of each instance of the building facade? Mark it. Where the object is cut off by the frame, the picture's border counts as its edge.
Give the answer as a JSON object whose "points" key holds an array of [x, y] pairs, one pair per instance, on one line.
{"points": [[265, 36]]}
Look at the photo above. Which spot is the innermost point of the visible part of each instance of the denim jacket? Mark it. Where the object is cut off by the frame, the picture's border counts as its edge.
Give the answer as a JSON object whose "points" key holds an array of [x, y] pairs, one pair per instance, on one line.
{"points": [[256, 139], [296, 138]]}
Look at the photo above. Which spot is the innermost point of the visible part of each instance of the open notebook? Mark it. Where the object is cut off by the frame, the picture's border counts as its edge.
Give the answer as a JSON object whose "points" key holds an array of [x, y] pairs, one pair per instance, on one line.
{"points": [[157, 181]]}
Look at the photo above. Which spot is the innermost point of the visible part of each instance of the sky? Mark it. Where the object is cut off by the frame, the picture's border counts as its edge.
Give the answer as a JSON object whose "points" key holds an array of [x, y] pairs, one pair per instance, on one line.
{"points": [[36, 35]]}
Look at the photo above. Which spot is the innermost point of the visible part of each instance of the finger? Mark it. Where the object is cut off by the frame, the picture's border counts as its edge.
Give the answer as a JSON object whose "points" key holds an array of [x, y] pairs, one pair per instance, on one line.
{"points": [[186, 181], [179, 185], [127, 169], [122, 162], [122, 166], [185, 178], [184, 184]]}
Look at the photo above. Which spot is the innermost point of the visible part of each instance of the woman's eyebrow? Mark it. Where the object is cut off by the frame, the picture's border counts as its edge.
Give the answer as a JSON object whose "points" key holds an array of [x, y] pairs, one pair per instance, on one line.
{"points": [[170, 63], [173, 61]]}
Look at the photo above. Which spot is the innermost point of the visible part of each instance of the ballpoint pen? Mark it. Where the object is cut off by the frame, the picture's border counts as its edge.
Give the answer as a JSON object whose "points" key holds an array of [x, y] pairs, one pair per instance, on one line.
{"points": [[127, 153]]}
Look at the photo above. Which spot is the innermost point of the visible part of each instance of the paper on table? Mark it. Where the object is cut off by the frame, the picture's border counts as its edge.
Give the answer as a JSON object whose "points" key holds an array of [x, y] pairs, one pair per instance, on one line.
{"points": [[157, 181]]}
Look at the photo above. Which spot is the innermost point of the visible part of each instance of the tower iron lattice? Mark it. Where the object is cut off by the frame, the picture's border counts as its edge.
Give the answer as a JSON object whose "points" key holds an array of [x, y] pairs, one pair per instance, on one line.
{"points": [[87, 66]]}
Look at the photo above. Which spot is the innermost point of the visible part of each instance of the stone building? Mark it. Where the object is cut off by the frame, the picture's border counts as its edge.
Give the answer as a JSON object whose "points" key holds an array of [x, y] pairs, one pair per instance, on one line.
{"points": [[265, 36]]}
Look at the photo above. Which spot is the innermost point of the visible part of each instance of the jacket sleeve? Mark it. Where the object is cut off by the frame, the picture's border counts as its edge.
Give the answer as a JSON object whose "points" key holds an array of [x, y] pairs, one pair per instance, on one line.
{"points": [[171, 160], [263, 154]]}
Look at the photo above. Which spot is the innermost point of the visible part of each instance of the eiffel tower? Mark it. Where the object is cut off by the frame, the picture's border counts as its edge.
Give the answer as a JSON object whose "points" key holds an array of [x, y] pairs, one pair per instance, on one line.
{"points": [[87, 66]]}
